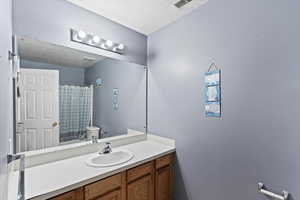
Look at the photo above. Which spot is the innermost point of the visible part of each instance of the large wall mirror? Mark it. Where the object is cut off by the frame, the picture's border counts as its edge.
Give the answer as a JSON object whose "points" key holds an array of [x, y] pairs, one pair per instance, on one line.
{"points": [[63, 96]]}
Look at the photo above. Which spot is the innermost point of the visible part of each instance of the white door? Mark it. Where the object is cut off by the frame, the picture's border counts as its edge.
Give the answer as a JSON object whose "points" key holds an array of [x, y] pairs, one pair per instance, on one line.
{"points": [[39, 109]]}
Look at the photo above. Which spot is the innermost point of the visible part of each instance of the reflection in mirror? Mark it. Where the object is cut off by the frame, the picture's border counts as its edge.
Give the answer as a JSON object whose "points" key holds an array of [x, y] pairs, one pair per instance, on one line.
{"points": [[65, 95]]}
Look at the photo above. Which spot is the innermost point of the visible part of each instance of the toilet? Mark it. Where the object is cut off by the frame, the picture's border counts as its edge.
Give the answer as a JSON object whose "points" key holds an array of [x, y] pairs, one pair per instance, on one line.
{"points": [[92, 131]]}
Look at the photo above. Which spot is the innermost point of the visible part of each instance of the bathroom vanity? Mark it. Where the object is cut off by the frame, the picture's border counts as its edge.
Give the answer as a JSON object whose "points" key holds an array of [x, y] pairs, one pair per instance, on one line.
{"points": [[68, 176], [152, 180]]}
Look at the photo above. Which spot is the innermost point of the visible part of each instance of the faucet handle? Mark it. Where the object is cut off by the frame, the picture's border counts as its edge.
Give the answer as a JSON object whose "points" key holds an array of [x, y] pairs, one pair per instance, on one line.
{"points": [[107, 148], [108, 145]]}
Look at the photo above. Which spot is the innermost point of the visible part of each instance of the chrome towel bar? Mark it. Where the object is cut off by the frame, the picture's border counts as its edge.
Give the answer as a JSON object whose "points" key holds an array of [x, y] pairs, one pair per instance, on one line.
{"points": [[263, 190]]}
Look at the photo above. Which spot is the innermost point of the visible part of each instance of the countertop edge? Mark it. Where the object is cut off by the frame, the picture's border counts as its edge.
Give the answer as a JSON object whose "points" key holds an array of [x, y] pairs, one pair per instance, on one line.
{"points": [[99, 177]]}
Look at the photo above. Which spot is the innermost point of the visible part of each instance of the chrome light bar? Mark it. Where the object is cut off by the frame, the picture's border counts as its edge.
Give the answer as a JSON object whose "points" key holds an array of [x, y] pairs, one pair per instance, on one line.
{"points": [[96, 41]]}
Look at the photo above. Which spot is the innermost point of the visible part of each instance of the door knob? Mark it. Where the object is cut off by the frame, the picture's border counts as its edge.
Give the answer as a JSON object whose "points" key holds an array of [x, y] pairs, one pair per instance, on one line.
{"points": [[54, 124]]}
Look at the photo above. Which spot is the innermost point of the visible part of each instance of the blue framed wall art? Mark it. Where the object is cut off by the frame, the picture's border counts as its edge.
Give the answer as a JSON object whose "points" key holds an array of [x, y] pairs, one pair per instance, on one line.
{"points": [[213, 92]]}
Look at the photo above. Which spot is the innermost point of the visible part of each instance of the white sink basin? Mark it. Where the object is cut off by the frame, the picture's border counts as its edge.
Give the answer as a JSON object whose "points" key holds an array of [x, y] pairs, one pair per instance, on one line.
{"points": [[110, 159]]}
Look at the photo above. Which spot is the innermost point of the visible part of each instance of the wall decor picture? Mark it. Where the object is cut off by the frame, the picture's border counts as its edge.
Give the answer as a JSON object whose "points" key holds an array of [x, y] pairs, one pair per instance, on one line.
{"points": [[213, 92], [212, 78], [213, 109]]}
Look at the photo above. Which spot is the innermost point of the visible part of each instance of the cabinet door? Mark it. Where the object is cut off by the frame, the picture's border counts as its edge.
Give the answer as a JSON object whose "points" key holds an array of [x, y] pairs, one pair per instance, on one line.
{"points": [[73, 195], [141, 189], [163, 184], [115, 195], [100, 188]]}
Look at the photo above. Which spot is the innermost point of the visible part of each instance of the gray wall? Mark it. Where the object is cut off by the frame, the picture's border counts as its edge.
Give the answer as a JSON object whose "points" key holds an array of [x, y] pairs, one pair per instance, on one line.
{"points": [[130, 79], [51, 20], [256, 44], [67, 75], [5, 92]]}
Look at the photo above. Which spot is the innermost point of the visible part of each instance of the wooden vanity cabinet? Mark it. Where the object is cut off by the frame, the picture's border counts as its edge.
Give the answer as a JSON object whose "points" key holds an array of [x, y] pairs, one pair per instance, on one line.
{"points": [[149, 181], [163, 178]]}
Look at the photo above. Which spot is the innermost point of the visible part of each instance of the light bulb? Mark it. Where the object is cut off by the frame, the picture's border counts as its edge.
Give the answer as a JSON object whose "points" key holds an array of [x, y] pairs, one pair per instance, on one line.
{"points": [[96, 39], [81, 34], [121, 46], [103, 46], [109, 43]]}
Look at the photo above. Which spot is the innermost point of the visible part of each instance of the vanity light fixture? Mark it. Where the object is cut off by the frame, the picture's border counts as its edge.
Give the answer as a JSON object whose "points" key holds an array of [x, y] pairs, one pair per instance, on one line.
{"points": [[109, 43], [121, 46], [102, 46], [81, 35], [96, 41]]}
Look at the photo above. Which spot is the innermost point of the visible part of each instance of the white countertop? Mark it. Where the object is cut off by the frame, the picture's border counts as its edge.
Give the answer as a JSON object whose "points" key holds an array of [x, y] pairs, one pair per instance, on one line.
{"points": [[48, 180]]}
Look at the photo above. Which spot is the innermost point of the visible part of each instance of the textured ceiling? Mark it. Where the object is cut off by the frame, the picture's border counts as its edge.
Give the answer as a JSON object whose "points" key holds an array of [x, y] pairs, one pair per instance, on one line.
{"points": [[144, 16]]}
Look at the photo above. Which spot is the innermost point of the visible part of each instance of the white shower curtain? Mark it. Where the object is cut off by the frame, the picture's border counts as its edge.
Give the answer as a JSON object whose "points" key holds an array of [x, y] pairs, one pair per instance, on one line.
{"points": [[74, 111]]}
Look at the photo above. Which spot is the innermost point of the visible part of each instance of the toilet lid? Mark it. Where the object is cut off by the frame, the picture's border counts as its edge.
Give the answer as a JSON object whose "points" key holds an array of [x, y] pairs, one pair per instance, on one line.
{"points": [[92, 128]]}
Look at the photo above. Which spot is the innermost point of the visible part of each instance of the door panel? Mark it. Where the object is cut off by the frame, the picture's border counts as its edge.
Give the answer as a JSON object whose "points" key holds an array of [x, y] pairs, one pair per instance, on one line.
{"points": [[39, 109], [163, 183], [99, 188], [141, 189], [6, 109], [30, 103]]}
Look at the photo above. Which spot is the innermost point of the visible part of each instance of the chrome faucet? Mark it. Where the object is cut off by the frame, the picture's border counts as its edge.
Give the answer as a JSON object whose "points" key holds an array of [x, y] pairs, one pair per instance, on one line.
{"points": [[107, 148]]}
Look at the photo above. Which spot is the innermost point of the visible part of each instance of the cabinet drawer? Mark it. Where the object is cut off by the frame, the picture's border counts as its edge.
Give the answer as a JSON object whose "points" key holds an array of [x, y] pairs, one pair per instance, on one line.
{"points": [[163, 161], [114, 195], [137, 172], [101, 187], [67, 196], [72, 195]]}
